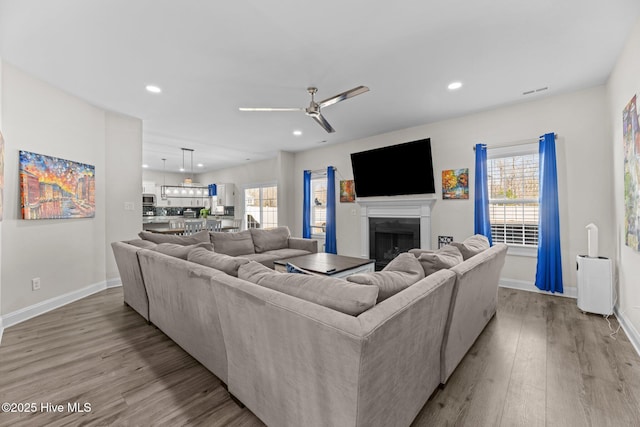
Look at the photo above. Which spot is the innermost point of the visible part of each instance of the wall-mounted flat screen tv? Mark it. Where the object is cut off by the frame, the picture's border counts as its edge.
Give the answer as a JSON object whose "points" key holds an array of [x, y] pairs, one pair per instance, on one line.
{"points": [[395, 170]]}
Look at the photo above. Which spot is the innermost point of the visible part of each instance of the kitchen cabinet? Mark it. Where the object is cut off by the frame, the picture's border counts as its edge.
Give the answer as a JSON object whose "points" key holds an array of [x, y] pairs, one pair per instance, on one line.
{"points": [[226, 194], [148, 187]]}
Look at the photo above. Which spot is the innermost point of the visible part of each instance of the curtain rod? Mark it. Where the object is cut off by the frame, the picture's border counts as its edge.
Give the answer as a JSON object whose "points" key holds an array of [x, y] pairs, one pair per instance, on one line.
{"points": [[321, 170], [515, 143]]}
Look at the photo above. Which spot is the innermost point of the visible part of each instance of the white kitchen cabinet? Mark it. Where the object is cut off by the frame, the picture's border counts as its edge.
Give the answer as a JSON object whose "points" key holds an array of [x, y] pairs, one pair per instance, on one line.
{"points": [[148, 187], [226, 194]]}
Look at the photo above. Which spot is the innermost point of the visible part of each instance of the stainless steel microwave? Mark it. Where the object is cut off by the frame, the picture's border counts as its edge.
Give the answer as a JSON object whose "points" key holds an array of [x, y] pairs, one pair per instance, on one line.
{"points": [[148, 200]]}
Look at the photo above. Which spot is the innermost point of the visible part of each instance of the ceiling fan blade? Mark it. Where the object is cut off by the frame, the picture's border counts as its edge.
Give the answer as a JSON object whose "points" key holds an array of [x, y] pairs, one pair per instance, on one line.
{"points": [[269, 109], [323, 122], [344, 95]]}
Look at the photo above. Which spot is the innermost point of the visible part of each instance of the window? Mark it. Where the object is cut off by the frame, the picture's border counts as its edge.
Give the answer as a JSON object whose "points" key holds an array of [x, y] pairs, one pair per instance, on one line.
{"points": [[318, 204], [261, 206], [513, 179]]}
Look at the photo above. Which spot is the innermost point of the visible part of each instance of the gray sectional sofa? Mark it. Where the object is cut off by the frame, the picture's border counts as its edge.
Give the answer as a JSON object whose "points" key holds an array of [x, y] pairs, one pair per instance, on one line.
{"points": [[270, 245], [295, 359]]}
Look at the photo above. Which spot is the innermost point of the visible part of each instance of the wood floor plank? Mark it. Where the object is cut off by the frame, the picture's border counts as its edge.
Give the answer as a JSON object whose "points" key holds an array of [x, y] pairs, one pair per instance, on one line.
{"points": [[540, 361], [525, 403]]}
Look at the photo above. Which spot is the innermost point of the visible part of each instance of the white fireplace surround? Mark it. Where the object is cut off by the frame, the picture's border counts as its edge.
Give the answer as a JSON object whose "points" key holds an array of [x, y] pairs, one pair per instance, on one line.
{"points": [[418, 206]]}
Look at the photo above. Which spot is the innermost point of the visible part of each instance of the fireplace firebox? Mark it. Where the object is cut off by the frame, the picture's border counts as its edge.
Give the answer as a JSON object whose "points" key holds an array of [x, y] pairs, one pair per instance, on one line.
{"points": [[389, 237]]}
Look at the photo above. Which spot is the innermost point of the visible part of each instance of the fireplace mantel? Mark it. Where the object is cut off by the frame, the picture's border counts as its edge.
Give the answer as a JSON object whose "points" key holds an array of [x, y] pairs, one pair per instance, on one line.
{"points": [[414, 206]]}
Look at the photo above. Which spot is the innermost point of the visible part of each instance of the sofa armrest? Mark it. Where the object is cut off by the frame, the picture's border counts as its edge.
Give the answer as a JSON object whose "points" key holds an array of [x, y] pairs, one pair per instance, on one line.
{"points": [[474, 303], [303, 244], [133, 286]]}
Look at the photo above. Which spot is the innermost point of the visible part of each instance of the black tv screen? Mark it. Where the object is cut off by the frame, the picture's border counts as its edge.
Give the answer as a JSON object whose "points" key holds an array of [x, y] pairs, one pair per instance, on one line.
{"points": [[394, 170]]}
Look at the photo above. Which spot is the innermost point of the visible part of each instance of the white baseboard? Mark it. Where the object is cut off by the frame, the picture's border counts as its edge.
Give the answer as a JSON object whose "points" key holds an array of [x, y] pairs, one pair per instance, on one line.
{"points": [[569, 291], [114, 283], [628, 328], [44, 306]]}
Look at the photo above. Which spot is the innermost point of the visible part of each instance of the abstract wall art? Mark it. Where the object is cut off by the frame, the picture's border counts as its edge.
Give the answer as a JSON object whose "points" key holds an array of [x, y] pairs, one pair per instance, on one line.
{"points": [[347, 191], [455, 184], [631, 137], [53, 188]]}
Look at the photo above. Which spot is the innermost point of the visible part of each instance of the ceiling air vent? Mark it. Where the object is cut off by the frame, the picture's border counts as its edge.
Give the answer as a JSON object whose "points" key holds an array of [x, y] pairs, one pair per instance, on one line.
{"points": [[529, 92]]}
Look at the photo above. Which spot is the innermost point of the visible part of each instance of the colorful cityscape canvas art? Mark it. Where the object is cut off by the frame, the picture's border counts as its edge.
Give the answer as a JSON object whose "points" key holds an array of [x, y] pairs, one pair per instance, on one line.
{"points": [[53, 188]]}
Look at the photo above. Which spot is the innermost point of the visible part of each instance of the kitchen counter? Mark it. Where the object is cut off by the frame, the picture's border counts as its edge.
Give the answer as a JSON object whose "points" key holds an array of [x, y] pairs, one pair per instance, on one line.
{"points": [[153, 222], [156, 219]]}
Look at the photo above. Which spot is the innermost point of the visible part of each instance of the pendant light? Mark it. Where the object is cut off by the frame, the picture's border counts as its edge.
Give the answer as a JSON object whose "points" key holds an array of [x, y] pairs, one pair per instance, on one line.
{"points": [[187, 180]]}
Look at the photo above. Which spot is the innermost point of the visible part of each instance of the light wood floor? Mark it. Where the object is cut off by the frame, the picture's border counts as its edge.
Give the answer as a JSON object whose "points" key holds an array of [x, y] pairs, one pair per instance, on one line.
{"points": [[540, 362]]}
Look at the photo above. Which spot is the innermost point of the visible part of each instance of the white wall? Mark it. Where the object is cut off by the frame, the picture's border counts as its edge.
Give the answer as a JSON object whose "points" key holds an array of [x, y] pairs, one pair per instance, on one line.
{"points": [[68, 255], [3, 160], [165, 178], [623, 84], [286, 188], [123, 175], [580, 120]]}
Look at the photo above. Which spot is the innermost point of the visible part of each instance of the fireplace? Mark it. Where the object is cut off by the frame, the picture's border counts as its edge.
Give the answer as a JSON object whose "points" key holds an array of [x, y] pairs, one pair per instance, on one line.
{"points": [[416, 208], [389, 237]]}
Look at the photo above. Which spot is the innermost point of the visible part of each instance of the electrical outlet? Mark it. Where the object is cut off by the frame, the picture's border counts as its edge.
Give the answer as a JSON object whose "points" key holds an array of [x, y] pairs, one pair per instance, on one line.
{"points": [[128, 206], [35, 284]]}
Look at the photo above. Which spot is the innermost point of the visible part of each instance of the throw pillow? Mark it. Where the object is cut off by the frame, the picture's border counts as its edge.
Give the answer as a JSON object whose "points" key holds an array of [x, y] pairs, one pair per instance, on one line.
{"points": [[472, 246], [180, 251], [339, 295], [200, 237], [402, 272], [446, 257], [269, 240], [233, 244], [222, 262]]}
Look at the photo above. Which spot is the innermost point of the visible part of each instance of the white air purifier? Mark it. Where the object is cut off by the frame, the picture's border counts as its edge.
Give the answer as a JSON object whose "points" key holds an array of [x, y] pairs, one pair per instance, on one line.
{"points": [[595, 285]]}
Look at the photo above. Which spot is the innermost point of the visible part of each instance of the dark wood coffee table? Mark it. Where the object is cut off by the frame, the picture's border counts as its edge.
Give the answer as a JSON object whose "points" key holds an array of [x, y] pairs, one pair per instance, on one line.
{"points": [[328, 264]]}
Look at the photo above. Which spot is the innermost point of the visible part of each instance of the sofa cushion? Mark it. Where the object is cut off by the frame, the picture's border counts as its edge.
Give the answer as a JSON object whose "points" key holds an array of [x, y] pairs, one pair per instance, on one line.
{"points": [[286, 253], [233, 244], [222, 262], [339, 295], [180, 251], [402, 272], [472, 246], [265, 259], [140, 243], [446, 257], [200, 237], [268, 240]]}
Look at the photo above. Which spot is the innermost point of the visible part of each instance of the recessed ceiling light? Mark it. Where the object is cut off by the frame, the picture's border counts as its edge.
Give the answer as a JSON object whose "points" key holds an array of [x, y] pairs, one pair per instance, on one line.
{"points": [[200, 165], [153, 89], [297, 132], [454, 85], [145, 166], [181, 169]]}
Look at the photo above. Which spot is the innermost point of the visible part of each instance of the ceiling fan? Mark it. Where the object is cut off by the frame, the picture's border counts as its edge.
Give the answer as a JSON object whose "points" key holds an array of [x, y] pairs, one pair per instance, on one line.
{"points": [[313, 110]]}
